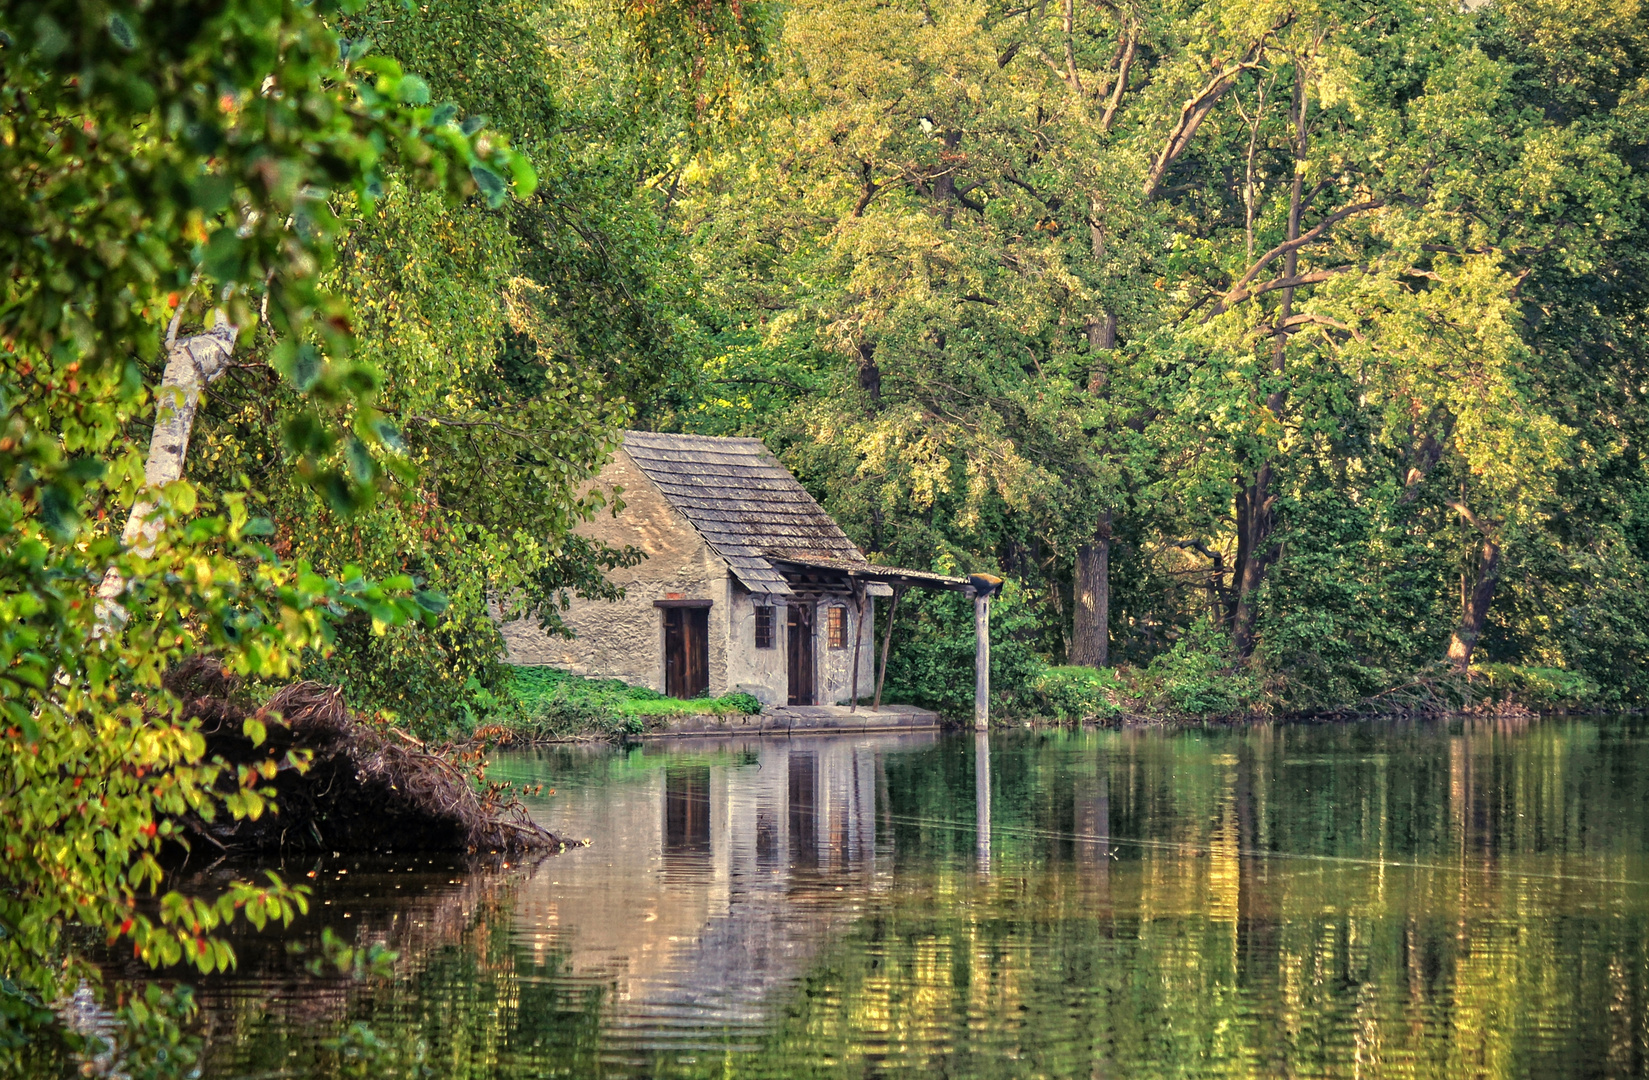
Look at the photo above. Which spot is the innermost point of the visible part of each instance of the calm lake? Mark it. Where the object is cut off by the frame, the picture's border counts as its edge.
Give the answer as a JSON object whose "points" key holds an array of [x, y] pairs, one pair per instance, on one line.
{"points": [[1464, 899]]}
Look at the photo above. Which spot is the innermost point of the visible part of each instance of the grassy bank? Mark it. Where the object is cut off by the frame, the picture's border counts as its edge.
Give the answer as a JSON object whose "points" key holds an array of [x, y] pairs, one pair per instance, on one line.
{"points": [[552, 705]]}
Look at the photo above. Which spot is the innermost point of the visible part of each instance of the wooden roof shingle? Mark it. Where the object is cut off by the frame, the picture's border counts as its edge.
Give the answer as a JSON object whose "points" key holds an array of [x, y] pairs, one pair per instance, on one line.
{"points": [[743, 502]]}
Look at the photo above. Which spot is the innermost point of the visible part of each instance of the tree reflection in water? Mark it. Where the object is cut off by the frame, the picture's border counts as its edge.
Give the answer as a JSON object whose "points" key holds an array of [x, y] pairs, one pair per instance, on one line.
{"points": [[1423, 900]]}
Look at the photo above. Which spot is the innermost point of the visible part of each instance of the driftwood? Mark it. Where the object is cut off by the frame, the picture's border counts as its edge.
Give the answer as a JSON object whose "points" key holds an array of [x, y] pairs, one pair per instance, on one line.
{"points": [[367, 787]]}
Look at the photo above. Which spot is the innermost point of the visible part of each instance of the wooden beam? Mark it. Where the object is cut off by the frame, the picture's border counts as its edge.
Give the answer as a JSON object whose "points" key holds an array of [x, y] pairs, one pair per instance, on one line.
{"points": [[858, 641], [981, 660], [887, 642]]}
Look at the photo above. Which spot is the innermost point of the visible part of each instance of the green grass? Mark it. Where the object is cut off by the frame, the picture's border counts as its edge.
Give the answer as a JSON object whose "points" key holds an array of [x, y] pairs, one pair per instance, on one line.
{"points": [[555, 704]]}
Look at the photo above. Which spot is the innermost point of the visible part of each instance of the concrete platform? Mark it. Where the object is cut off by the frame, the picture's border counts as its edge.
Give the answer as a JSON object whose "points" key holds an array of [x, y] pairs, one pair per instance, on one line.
{"points": [[804, 720]]}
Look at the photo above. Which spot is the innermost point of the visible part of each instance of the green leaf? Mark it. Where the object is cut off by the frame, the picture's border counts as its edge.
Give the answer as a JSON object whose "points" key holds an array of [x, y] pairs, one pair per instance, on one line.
{"points": [[223, 257], [359, 460], [491, 184], [306, 368], [49, 38], [431, 601], [121, 31], [341, 496], [413, 90], [389, 435], [211, 193]]}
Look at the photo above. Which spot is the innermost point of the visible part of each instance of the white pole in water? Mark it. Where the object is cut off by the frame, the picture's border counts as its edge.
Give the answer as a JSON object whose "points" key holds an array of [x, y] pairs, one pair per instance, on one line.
{"points": [[982, 799], [981, 659]]}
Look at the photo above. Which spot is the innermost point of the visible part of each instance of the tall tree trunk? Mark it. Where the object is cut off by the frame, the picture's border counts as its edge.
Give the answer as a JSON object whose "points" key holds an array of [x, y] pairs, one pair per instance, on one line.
{"points": [[1475, 607], [1254, 527], [191, 364], [1091, 614], [1475, 601], [1091, 622], [1255, 521]]}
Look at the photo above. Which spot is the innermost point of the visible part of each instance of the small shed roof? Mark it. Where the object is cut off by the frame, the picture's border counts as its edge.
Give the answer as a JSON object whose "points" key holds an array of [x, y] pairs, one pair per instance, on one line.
{"points": [[746, 505]]}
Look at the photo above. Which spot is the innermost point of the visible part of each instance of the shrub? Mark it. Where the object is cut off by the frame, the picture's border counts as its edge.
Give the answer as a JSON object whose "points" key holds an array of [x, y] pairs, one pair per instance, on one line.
{"points": [[1077, 693], [1537, 687], [1200, 676], [739, 701]]}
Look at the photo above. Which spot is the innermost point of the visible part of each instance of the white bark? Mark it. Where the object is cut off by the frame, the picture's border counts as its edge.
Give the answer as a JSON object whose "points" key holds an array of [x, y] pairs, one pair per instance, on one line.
{"points": [[191, 364]]}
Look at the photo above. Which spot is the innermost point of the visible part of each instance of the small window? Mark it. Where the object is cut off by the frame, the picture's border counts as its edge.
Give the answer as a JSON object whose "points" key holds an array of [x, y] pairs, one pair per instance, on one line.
{"points": [[836, 627], [764, 628]]}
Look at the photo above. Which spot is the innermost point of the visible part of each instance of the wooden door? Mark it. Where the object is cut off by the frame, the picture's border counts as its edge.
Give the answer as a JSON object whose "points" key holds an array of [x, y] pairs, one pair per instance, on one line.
{"points": [[686, 652], [799, 642]]}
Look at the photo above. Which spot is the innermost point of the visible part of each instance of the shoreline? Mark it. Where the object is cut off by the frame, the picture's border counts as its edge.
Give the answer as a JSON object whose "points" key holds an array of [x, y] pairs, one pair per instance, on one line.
{"points": [[1128, 720]]}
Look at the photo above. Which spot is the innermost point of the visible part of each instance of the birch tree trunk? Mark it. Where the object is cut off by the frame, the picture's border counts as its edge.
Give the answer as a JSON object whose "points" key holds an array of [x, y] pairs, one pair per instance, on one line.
{"points": [[192, 363]]}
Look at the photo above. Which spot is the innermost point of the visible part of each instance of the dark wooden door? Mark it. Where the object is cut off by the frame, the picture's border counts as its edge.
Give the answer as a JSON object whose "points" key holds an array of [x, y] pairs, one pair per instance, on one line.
{"points": [[686, 652], [799, 642]]}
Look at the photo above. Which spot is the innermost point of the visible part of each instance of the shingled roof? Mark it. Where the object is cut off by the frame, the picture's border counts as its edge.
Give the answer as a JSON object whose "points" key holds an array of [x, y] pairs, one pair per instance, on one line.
{"points": [[742, 501]]}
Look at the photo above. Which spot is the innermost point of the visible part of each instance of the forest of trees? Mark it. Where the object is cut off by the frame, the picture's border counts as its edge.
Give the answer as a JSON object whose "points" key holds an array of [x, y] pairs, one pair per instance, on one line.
{"points": [[1288, 355], [1290, 351]]}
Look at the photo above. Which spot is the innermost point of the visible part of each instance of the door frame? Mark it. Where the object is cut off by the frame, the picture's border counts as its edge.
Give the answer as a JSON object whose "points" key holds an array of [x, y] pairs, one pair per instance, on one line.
{"points": [[801, 649], [682, 615]]}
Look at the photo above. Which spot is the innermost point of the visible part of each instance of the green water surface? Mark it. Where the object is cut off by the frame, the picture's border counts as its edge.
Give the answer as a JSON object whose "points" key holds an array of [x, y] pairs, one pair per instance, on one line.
{"points": [[1451, 900]]}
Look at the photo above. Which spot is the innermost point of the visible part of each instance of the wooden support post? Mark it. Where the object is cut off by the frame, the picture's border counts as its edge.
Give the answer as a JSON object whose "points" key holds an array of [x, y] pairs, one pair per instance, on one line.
{"points": [[858, 639], [982, 587], [887, 641], [982, 800], [981, 660]]}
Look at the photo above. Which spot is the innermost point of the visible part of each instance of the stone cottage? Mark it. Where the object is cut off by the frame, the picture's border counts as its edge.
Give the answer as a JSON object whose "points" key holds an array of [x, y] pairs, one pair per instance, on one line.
{"points": [[747, 583]]}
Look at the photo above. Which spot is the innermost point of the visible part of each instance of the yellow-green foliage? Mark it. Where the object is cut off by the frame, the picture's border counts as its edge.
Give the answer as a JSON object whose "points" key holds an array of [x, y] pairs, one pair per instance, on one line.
{"points": [[152, 158], [1538, 687]]}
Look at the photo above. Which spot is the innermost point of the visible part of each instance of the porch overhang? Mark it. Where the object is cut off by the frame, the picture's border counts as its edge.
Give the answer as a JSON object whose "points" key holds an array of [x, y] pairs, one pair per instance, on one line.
{"points": [[814, 575], [840, 575]]}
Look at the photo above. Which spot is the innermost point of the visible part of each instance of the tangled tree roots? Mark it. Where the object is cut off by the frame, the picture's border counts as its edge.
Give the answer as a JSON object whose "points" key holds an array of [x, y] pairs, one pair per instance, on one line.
{"points": [[367, 788]]}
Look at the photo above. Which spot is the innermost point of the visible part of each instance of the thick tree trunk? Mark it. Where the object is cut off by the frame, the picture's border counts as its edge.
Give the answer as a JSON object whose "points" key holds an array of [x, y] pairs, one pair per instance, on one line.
{"points": [[1091, 614], [1102, 338], [1091, 622], [870, 373], [191, 364], [1475, 607], [1254, 527]]}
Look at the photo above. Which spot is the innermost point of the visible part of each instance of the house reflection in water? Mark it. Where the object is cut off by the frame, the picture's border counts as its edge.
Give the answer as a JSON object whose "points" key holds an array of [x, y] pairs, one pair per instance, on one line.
{"points": [[713, 877]]}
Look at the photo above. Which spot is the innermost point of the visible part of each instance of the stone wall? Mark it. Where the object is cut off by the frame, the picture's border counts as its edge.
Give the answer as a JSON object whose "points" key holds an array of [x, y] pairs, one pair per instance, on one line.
{"points": [[757, 671], [835, 666], [765, 672], [625, 640]]}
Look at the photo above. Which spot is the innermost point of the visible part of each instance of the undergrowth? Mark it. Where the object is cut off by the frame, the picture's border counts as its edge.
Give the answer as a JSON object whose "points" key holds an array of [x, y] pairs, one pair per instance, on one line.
{"points": [[553, 704]]}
